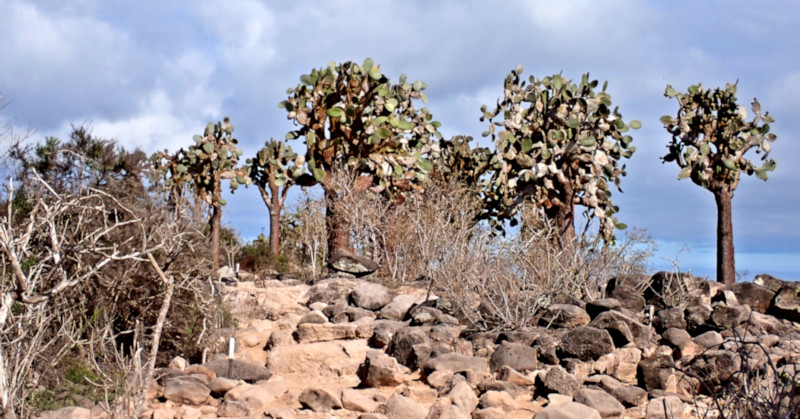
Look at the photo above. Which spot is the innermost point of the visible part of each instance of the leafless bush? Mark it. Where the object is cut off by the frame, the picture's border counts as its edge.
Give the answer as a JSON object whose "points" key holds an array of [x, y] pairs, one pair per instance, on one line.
{"points": [[304, 235], [763, 386], [81, 282]]}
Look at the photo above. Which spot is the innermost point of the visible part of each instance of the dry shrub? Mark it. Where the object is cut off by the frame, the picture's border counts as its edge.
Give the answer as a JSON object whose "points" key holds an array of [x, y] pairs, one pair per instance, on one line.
{"points": [[80, 293], [762, 387], [304, 236], [498, 281]]}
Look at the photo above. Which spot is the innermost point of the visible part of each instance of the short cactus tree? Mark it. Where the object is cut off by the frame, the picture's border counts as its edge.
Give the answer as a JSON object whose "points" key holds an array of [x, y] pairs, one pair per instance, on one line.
{"points": [[710, 136], [558, 144], [353, 116], [202, 167], [274, 170]]}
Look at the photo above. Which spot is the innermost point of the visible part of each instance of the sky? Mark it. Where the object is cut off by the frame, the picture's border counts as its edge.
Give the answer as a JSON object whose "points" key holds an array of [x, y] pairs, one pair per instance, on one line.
{"points": [[152, 75]]}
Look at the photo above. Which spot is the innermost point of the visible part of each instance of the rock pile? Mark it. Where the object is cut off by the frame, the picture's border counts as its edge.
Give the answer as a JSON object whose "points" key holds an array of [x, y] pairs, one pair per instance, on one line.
{"points": [[354, 349]]}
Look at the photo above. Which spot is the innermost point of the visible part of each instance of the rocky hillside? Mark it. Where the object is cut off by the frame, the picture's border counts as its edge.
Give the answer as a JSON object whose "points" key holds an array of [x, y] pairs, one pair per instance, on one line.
{"points": [[655, 347]]}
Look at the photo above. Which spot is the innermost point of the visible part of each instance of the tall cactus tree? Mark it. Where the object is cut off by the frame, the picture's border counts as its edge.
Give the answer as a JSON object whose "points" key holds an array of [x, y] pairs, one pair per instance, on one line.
{"points": [[710, 136], [559, 144], [273, 171], [202, 167], [352, 115]]}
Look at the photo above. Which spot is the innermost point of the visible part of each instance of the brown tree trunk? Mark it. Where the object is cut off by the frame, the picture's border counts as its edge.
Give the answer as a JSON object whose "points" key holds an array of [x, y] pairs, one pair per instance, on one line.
{"points": [[216, 220], [563, 218], [726, 270], [275, 221], [338, 227]]}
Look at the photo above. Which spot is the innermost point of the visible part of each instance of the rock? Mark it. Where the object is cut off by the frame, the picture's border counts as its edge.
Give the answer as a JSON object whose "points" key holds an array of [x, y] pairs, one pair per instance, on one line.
{"points": [[665, 289], [371, 296], [605, 382], [754, 295], [72, 412], [403, 344], [184, 391], [630, 395], [178, 363], [564, 316], [345, 261], [669, 407], [726, 317], [593, 308], [490, 384], [558, 380], [769, 282], [401, 407], [515, 355], [786, 303], [256, 397], [655, 372], [382, 333], [309, 332], [457, 362], [319, 399], [226, 272], [199, 369], [676, 337], [461, 395], [428, 316], [697, 316], [313, 317], [233, 409], [585, 343], [709, 339], [279, 338], [714, 367], [490, 413], [360, 401], [330, 291], [239, 370], [438, 379], [222, 385], [623, 289], [379, 370], [444, 409], [499, 399], [568, 410], [397, 308], [669, 317], [622, 328], [546, 348], [515, 377], [604, 403]]}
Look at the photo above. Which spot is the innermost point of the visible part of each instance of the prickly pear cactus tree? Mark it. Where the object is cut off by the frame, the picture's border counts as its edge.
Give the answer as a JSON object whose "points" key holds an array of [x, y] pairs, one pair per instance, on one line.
{"points": [[710, 135], [202, 167], [352, 115], [274, 170], [459, 161], [559, 144]]}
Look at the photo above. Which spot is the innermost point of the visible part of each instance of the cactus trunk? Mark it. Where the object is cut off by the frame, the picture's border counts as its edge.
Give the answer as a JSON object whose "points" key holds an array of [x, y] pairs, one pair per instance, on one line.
{"points": [[275, 221], [216, 221], [338, 226], [726, 270]]}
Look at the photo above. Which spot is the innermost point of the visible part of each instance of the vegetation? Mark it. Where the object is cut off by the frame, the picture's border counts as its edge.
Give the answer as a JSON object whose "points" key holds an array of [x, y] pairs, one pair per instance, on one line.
{"points": [[559, 146], [353, 116], [274, 170], [101, 256], [202, 167], [710, 136]]}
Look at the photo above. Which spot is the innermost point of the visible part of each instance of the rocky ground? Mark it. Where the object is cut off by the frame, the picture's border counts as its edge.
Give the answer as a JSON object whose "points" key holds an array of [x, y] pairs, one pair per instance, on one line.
{"points": [[351, 348]]}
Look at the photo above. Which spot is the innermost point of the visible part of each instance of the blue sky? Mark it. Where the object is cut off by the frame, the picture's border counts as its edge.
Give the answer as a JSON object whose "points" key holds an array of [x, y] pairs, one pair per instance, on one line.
{"points": [[152, 75]]}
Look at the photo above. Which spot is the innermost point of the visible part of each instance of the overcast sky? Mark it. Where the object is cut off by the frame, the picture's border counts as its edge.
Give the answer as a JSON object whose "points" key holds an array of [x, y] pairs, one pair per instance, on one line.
{"points": [[152, 75]]}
